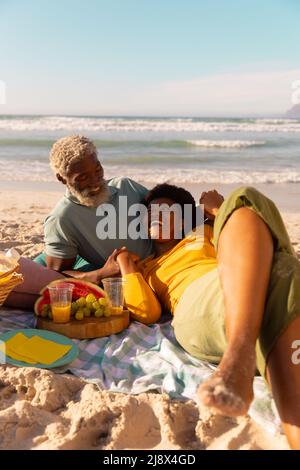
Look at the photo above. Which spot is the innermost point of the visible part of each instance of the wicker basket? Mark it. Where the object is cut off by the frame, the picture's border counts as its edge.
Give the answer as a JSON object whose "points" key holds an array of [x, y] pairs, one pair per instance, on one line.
{"points": [[7, 286]]}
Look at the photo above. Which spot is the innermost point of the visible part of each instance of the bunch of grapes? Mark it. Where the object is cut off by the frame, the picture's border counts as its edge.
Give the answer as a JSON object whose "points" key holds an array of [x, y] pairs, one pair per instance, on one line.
{"points": [[88, 306], [46, 311], [83, 307]]}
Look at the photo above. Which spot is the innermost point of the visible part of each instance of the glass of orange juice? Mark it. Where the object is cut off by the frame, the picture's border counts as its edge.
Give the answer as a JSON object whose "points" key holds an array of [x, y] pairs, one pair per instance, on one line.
{"points": [[114, 287], [61, 299]]}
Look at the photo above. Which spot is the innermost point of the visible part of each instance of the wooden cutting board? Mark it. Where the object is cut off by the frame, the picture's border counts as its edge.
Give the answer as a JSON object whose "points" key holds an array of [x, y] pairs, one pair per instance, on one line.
{"points": [[87, 328]]}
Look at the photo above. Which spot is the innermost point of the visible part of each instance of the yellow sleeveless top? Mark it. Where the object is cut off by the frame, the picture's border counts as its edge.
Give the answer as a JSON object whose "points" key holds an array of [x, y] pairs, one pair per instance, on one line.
{"points": [[169, 275]]}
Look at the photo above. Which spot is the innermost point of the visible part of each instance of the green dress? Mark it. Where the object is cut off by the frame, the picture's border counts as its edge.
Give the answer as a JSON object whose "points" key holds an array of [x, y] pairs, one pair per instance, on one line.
{"points": [[199, 323]]}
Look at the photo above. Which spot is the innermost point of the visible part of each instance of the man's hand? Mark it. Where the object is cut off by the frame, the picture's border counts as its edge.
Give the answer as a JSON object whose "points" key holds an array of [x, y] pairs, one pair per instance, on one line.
{"points": [[211, 200], [111, 268]]}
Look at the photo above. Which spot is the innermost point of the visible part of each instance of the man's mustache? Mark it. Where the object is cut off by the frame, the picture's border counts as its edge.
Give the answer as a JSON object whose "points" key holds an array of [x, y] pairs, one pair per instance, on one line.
{"points": [[91, 190]]}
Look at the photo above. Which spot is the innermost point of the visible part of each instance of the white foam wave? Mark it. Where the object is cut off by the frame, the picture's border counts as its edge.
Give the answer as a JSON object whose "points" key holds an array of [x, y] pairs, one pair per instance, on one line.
{"points": [[39, 171], [226, 143], [187, 175], [276, 121], [90, 124]]}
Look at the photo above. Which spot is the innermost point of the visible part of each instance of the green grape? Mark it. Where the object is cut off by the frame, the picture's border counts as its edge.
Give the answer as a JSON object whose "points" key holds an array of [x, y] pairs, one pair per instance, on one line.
{"points": [[45, 310], [96, 305], [74, 307], [79, 315], [90, 298], [81, 302], [103, 301], [90, 306], [107, 312], [99, 313], [86, 312]]}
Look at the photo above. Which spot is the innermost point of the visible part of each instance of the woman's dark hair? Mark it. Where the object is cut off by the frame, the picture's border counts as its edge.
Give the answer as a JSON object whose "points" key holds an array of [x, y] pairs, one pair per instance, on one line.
{"points": [[176, 194]]}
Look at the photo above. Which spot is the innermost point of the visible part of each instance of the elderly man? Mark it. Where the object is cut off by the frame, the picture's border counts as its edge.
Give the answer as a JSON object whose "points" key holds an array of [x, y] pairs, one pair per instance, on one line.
{"points": [[72, 244]]}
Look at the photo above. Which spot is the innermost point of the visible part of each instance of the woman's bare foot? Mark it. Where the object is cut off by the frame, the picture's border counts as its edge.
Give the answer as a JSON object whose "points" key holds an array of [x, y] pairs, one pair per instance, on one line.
{"points": [[230, 389]]}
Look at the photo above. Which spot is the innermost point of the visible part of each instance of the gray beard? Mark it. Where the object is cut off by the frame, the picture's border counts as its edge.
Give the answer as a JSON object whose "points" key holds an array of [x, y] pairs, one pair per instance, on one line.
{"points": [[91, 200]]}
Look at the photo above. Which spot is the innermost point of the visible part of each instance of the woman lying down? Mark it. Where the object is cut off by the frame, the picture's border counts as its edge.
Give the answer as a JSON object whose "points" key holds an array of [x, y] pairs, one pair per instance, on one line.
{"points": [[234, 295], [239, 308]]}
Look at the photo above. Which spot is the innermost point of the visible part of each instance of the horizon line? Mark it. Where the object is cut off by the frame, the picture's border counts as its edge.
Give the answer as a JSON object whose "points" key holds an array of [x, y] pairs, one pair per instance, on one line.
{"points": [[151, 116]]}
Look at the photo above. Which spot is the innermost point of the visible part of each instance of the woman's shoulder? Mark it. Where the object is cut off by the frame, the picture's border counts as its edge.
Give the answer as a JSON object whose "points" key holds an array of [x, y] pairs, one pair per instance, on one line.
{"points": [[202, 232]]}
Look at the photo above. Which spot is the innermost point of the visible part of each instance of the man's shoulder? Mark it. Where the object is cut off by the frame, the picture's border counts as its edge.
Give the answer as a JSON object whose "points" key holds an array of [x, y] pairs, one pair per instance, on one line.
{"points": [[126, 185], [63, 210]]}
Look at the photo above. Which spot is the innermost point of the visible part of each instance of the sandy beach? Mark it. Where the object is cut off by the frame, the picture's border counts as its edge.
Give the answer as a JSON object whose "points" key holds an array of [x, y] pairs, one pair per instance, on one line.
{"points": [[43, 410]]}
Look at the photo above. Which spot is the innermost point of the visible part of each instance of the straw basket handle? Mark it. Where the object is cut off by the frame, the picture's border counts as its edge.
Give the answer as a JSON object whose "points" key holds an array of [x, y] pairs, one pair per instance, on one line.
{"points": [[7, 286], [15, 269]]}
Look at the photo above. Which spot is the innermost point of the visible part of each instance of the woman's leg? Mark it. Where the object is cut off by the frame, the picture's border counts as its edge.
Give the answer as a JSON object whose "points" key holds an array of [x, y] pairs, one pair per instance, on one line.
{"points": [[283, 373], [245, 253], [36, 277]]}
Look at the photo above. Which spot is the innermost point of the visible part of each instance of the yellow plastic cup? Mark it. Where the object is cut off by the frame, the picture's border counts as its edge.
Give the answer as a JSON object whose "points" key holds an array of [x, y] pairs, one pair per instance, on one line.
{"points": [[60, 300], [113, 286]]}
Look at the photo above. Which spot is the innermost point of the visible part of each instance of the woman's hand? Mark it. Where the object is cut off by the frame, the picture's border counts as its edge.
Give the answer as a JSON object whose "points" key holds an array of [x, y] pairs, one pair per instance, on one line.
{"points": [[126, 261], [123, 253], [211, 200]]}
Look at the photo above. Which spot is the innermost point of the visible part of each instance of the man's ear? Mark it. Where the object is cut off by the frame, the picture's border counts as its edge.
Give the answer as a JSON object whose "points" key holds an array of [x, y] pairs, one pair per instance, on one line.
{"points": [[61, 179]]}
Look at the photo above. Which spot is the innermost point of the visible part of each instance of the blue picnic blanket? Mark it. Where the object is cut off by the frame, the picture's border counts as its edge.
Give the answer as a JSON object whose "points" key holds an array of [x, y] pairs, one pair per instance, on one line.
{"points": [[145, 358]]}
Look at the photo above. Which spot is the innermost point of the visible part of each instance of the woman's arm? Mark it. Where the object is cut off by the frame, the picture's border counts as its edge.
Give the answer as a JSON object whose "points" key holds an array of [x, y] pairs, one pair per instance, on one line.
{"points": [[140, 299]]}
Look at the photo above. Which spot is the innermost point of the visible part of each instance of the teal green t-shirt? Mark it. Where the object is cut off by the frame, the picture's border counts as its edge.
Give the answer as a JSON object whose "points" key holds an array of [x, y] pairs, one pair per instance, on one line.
{"points": [[70, 229]]}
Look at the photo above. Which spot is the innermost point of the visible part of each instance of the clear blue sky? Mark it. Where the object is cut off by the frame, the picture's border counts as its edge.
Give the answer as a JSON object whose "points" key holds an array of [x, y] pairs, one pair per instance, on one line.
{"points": [[148, 56]]}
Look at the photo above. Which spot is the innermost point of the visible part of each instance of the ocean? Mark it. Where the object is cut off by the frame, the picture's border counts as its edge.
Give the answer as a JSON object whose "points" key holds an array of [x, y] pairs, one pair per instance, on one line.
{"points": [[178, 150]]}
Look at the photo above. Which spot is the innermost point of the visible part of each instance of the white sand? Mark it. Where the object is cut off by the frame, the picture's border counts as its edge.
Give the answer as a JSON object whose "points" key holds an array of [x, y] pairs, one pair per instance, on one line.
{"points": [[42, 410]]}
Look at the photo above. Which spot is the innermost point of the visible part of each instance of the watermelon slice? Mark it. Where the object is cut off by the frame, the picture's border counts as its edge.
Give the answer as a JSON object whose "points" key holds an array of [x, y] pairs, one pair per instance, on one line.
{"points": [[81, 289]]}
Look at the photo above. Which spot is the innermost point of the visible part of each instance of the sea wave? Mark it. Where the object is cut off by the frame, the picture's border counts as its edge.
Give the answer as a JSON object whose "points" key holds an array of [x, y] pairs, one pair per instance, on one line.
{"points": [[188, 175], [275, 121], [174, 143], [231, 144], [159, 125], [40, 171]]}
